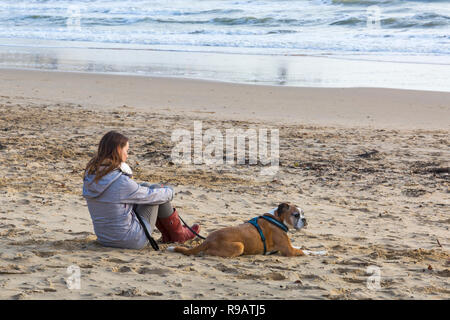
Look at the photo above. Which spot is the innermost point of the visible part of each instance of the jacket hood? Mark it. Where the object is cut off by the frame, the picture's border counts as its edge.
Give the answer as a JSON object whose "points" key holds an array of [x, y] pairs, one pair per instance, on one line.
{"points": [[94, 190]]}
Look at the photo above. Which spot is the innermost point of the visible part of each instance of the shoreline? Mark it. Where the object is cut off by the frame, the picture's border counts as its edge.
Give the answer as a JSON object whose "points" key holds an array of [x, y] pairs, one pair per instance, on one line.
{"points": [[347, 107], [397, 57], [298, 69]]}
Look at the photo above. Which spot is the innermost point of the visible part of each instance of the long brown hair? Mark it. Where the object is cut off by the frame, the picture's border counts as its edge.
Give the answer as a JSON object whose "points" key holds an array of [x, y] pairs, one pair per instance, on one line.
{"points": [[107, 158]]}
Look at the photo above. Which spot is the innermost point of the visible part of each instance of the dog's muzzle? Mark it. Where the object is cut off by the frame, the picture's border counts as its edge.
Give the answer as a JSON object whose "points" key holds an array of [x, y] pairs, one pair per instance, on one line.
{"points": [[301, 223]]}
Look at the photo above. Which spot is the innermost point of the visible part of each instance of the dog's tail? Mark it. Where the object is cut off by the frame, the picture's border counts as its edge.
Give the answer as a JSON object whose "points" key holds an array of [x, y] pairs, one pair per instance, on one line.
{"points": [[201, 247]]}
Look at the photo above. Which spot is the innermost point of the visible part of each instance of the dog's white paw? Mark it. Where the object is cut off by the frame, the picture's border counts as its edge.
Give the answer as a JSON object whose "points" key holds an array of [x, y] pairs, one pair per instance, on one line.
{"points": [[171, 249], [315, 253], [312, 253]]}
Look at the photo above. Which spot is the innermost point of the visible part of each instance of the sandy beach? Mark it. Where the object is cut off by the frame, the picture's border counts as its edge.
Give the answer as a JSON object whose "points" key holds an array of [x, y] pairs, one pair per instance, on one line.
{"points": [[369, 166]]}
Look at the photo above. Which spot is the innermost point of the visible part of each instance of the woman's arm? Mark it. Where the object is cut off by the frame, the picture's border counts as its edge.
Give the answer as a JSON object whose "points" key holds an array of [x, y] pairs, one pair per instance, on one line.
{"points": [[131, 192]]}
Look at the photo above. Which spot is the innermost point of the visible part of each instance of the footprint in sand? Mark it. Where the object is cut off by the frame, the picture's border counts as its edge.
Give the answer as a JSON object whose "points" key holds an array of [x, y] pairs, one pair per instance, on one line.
{"points": [[357, 262], [116, 260], [354, 280], [131, 292], [275, 276], [19, 296], [158, 271], [313, 277], [345, 271], [13, 269], [122, 269], [202, 197], [153, 293], [44, 254], [225, 269]]}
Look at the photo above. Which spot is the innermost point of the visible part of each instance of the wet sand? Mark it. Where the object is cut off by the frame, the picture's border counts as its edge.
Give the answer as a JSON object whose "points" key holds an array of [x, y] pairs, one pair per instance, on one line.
{"points": [[368, 166]]}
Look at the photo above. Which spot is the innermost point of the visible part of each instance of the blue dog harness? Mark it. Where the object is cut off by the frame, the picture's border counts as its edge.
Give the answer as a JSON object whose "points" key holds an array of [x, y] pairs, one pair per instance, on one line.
{"points": [[279, 224]]}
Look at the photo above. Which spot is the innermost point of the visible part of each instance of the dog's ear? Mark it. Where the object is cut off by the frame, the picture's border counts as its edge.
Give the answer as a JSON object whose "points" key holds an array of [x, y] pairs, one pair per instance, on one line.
{"points": [[281, 208]]}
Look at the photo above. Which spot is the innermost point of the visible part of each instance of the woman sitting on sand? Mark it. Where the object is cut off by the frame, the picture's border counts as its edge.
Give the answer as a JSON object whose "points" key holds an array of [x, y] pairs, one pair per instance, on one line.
{"points": [[113, 200]]}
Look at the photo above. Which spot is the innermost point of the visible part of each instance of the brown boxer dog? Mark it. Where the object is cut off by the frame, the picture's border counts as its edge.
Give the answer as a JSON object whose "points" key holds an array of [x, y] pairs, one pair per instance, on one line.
{"points": [[245, 239]]}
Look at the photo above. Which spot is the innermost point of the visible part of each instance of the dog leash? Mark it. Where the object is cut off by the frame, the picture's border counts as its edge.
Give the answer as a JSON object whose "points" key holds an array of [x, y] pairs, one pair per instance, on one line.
{"points": [[191, 228]]}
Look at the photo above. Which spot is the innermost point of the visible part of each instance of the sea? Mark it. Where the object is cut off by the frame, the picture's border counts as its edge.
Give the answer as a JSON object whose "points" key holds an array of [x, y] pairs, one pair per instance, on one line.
{"points": [[331, 43]]}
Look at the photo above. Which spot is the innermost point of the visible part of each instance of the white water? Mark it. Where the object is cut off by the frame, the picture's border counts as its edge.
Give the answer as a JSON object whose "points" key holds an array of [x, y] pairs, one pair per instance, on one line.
{"points": [[407, 28]]}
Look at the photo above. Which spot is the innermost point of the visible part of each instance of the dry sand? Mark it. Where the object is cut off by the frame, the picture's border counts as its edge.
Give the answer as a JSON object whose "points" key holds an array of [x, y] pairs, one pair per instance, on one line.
{"points": [[368, 166]]}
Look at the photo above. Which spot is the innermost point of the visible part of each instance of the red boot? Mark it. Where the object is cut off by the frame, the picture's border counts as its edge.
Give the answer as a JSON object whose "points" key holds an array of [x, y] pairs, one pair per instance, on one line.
{"points": [[175, 231], [164, 233]]}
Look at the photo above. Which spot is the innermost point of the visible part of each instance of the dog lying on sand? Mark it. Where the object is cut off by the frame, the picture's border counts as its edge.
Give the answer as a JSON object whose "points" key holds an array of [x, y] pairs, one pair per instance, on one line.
{"points": [[265, 234]]}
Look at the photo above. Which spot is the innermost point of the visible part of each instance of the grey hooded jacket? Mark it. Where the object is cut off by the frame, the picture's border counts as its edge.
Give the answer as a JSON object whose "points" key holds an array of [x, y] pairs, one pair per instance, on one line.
{"points": [[110, 203]]}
